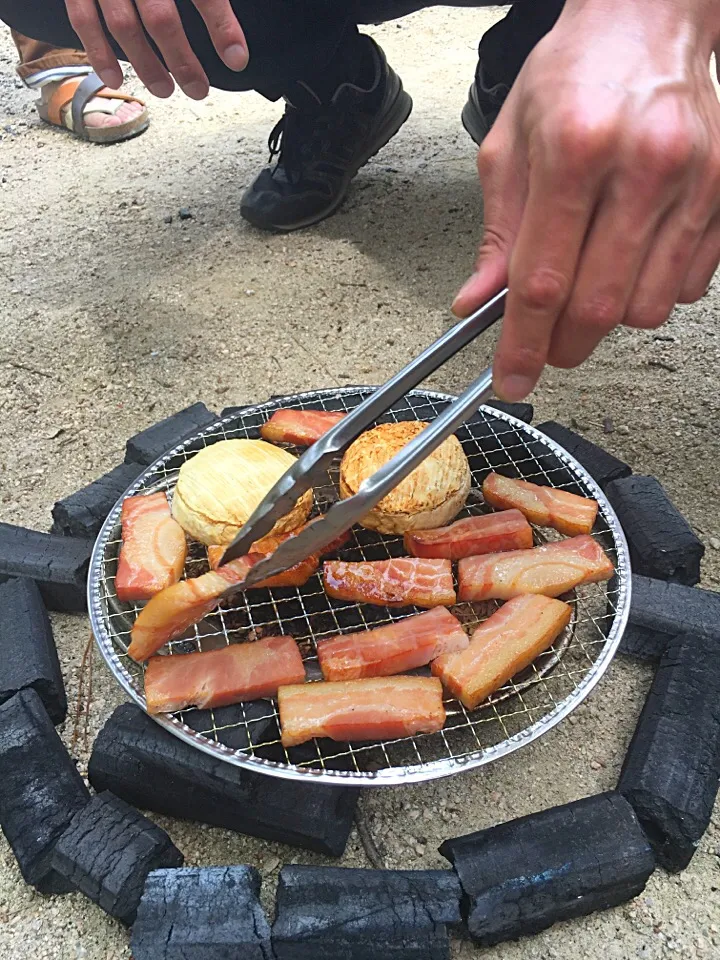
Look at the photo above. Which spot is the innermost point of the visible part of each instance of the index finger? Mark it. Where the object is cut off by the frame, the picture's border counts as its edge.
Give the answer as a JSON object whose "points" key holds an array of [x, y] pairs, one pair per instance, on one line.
{"points": [[541, 272], [225, 32], [84, 20]]}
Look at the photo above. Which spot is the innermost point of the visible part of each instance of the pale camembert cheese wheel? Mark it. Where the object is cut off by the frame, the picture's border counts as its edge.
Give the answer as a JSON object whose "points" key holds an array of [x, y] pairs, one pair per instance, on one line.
{"points": [[219, 488]]}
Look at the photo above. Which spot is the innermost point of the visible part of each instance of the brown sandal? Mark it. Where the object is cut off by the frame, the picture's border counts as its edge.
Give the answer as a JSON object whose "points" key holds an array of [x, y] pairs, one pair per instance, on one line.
{"points": [[78, 92]]}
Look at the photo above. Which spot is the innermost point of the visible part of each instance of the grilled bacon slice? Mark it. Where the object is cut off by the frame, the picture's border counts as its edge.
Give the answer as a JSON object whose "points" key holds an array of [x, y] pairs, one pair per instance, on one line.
{"points": [[551, 570], [391, 583], [489, 533], [301, 427], [501, 647], [234, 674], [546, 506], [171, 612], [382, 708], [394, 648], [153, 551]]}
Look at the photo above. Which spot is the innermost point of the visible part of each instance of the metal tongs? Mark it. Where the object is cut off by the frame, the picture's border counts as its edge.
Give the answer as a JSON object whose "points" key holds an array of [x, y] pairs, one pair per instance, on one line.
{"points": [[311, 468]]}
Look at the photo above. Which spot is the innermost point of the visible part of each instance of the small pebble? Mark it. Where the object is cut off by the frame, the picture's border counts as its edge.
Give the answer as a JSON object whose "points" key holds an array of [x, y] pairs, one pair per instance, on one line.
{"points": [[714, 543], [272, 863], [595, 765], [608, 425], [185, 213], [414, 814], [168, 218], [420, 849]]}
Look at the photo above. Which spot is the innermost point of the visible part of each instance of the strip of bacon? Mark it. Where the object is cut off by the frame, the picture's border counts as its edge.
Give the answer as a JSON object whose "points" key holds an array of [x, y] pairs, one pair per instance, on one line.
{"points": [[386, 708], [171, 612], [548, 507], [301, 427], [152, 555], [391, 583], [490, 533], [240, 672], [501, 647], [550, 570], [394, 648]]}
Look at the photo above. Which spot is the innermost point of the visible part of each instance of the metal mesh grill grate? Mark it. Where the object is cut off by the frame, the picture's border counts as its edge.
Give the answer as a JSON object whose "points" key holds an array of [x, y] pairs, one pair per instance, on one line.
{"points": [[249, 734]]}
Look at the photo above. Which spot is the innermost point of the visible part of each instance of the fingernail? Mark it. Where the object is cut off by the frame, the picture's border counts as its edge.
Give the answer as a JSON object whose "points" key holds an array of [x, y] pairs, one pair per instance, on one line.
{"points": [[162, 89], [236, 57], [514, 388], [464, 290], [110, 79], [196, 90]]}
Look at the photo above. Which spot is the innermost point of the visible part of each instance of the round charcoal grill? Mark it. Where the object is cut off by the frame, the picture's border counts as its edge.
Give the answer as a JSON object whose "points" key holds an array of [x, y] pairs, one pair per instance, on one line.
{"points": [[248, 735]]}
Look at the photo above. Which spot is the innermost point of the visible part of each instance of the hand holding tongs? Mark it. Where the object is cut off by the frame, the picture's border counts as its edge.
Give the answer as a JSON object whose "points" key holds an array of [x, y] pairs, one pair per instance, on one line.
{"points": [[311, 468]]}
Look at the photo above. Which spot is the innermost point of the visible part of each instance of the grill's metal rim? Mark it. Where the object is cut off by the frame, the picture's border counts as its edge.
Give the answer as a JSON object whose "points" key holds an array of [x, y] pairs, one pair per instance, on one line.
{"points": [[396, 776]]}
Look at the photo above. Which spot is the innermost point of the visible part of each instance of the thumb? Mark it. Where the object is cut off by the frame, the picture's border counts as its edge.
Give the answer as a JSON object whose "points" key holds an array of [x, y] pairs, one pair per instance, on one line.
{"points": [[490, 276], [504, 195]]}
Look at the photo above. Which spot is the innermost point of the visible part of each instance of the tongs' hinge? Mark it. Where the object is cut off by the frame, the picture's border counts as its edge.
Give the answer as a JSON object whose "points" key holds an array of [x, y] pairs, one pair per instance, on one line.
{"points": [[312, 466]]}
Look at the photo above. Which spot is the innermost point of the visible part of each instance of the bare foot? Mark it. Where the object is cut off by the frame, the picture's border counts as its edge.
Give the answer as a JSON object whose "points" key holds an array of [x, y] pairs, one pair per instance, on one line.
{"points": [[95, 112]]}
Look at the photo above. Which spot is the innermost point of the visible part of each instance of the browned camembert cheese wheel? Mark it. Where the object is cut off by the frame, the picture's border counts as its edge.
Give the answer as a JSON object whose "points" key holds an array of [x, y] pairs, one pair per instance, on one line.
{"points": [[431, 496]]}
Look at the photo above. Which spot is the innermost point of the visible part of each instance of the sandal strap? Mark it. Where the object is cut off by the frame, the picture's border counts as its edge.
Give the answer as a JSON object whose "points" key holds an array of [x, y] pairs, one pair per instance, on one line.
{"points": [[88, 88], [79, 92]]}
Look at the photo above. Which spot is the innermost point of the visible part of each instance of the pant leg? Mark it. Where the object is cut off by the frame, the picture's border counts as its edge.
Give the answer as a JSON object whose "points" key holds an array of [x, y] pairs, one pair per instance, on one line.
{"points": [[284, 37], [37, 57], [507, 44]]}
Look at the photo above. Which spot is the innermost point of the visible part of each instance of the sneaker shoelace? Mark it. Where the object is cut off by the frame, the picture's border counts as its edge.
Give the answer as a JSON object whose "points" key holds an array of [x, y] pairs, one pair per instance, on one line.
{"points": [[302, 137]]}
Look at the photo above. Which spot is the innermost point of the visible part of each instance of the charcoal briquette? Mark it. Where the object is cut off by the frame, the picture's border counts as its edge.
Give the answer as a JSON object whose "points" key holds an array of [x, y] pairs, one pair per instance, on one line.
{"points": [[602, 466], [208, 913], [83, 513], [643, 644], [521, 411], [520, 877], [324, 913], [108, 851], [661, 543], [59, 565], [661, 610], [146, 447], [672, 767], [139, 761], [40, 789], [28, 657]]}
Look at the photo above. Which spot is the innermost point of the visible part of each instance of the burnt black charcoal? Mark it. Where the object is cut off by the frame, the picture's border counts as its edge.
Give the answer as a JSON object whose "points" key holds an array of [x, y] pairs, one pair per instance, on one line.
{"points": [[643, 644], [602, 466], [108, 851], [59, 565], [28, 658], [40, 789], [661, 610], [521, 411], [662, 545], [148, 767], [671, 771], [324, 913], [148, 446], [523, 876], [208, 913], [82, 514]]}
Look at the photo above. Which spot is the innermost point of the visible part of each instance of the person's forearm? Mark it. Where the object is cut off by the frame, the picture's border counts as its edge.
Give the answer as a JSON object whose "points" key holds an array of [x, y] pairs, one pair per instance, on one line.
{"points": [[701, 18]]}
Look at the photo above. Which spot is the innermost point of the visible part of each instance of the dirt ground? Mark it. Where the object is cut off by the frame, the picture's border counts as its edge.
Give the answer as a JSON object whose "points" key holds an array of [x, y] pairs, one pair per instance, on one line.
{"points": [[113, 318]]}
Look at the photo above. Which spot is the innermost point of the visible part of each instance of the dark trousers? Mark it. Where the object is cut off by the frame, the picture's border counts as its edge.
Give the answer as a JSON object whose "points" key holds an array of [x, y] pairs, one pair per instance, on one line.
{"points": [[290, 39]]}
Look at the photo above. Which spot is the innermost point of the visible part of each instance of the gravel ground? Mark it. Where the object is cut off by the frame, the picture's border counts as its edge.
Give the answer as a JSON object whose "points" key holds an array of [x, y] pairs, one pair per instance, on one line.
{"points": [[113, 318]]}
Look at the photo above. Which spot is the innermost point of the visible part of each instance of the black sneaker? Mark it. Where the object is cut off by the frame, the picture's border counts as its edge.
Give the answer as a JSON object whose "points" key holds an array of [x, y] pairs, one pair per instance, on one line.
{"points": [[321, 146], [484, 103]]}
